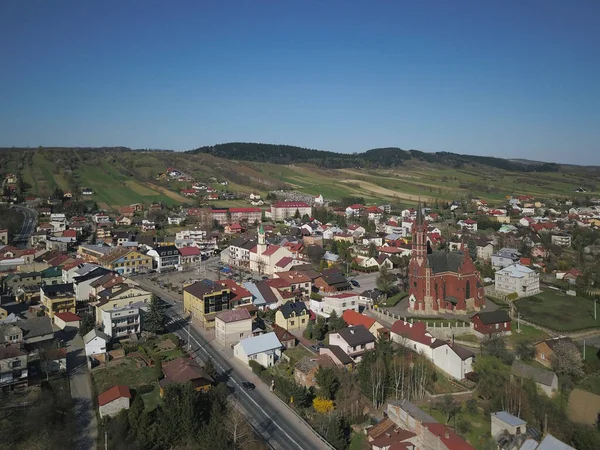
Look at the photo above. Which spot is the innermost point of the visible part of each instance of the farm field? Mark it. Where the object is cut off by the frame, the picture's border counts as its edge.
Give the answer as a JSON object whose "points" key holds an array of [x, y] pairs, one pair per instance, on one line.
{"points": [[559, 312]]}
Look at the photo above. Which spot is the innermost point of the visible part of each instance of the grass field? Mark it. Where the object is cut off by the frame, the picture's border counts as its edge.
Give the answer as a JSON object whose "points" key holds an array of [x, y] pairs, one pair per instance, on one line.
{"points": [[124, 371], [558, 311], [528, 333]]}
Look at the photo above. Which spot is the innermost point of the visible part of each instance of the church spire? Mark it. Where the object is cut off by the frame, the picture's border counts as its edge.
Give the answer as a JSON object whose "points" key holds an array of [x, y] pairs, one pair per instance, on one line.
{"points": [[419, 213]]}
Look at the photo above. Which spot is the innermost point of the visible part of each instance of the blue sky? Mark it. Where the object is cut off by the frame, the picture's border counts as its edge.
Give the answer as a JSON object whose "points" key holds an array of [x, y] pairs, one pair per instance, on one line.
{"points": [[502, 78]]}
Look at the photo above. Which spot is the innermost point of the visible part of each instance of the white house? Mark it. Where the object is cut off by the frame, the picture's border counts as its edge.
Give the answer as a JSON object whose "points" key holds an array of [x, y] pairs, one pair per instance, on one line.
{"points": [[120, 322], [165, 257], [175, 220], [469, 224], [517, 278], [354, 341], [456, 361], [505, 257], [66, 319], [59, 222], [232, 326], [265, 349], [318, 200], [335, 302], [113, 401], [95, 342]]}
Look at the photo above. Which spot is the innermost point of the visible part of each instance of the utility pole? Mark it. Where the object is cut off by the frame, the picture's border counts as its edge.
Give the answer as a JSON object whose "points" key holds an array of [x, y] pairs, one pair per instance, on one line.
{"points": [[595, 300], [584, 349], [105, 440], [188, 331]]}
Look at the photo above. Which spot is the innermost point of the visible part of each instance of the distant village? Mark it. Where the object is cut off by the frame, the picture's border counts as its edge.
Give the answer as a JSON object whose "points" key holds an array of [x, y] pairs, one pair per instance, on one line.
{"points": [[369, 292]]}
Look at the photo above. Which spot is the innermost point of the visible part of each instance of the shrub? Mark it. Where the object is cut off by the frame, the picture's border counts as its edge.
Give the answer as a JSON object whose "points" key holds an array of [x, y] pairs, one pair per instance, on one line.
{"points": [[256, 367], [322, 405]]}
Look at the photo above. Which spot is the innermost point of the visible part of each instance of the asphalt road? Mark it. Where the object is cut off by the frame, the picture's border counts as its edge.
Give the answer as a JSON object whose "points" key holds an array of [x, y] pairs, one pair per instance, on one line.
{"points": [[28, 226], [273, 420]]}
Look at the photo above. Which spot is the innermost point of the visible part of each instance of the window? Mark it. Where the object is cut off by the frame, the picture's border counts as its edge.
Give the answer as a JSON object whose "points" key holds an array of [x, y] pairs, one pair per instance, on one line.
{"points": [[496, 326], [241, 335], [303, 320], [543, 356], [292, 323], [16, 363]]}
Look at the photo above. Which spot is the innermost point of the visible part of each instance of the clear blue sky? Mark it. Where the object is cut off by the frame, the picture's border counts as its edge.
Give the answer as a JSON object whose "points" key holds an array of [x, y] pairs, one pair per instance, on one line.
{"points": [[505, 78]]}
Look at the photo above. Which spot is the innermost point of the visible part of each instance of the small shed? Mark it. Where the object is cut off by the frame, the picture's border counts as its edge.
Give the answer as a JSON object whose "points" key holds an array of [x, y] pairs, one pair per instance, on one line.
{"points": [[113, 401], [66, 319], [96, 343]]}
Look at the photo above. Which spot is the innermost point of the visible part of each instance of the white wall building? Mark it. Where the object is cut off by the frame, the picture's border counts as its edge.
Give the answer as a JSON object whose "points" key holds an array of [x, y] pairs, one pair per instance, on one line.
{"points": [[95, 342], [517, 278], [121, 322], [335, 302], [232, 326], [265, 349]]}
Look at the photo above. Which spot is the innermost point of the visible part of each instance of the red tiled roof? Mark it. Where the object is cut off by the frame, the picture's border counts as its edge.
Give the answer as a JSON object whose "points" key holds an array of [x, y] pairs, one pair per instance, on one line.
{"points": [[356, 206], [112, 394], [70, 233], [67, 316], [237, 291], [278, 283], [271, 249], [283, 262], [448, 437], [414, 331], [189, 251], [374, 209], [354, 318], [290, 205], [244, 210]]}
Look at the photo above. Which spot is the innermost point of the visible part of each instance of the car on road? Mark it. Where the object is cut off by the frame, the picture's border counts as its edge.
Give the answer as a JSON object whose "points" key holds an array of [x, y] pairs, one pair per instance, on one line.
{"points": [[317, 347], [354, 283], [248, 386]]}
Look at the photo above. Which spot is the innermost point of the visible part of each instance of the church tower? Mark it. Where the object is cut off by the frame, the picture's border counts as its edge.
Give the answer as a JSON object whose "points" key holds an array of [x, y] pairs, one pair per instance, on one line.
{"points": [[418, 271], [419, 237], [261, 247]]}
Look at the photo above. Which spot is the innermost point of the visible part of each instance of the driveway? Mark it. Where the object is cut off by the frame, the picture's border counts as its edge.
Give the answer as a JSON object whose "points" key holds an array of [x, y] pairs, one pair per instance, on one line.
{"points": [[80, 381]]}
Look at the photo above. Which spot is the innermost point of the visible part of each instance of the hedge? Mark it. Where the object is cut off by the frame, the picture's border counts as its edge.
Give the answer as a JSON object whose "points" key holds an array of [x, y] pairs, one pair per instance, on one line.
{"points": [[256, 367]]}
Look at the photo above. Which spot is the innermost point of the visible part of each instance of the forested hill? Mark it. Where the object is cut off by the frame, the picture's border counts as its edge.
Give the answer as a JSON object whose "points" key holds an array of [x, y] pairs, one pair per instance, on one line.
{"points": [[379, 157]]}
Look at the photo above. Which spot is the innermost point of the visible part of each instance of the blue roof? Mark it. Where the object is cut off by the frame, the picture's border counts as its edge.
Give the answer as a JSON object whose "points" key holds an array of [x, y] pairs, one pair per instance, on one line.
{"points": [[261, 343], [508, 418], [258, 299], [551, 443]]}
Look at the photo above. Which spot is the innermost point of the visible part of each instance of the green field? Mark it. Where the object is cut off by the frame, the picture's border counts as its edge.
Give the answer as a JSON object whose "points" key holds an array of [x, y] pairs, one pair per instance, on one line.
{"points": [[557, 311], [528, 333]]}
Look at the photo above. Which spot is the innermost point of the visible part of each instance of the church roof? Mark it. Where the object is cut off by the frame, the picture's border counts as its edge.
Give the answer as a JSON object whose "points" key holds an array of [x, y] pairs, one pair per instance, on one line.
{"points": [[445, 261]]}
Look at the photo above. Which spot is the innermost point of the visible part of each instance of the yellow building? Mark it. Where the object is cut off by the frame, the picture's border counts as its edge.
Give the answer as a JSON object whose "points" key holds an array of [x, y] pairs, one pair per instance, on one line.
{"points": [[204, 300], [292, 316], [58, 298], [126, 261]]}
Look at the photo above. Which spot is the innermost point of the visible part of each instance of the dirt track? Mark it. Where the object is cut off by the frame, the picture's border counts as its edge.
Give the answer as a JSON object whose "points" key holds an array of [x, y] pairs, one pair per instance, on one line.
{"points": [[385, 191]]}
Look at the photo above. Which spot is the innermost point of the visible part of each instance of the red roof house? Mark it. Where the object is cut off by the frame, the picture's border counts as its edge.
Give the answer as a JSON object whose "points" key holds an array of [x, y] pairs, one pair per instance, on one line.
{"points": [[114, 400]]}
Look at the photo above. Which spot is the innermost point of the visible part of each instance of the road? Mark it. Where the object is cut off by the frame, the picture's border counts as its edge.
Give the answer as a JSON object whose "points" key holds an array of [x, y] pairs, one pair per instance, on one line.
{"points": [[272, 419], [28, 226], [80, 381]]}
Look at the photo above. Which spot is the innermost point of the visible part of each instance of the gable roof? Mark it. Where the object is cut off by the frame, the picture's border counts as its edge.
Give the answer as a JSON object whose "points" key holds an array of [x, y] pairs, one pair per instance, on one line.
{"points": [[10, 352], [293, 307], [354, 318], [445, 261], [542, 376], [553, 341], [492, 317], [189, 251], [181, 370], [451, 440], [260, 343], [67, 316], [233, 315], [113, 394], [282, 334], [414, 331], [204, 287], [358, 335], [340, 355], [93, 334]]}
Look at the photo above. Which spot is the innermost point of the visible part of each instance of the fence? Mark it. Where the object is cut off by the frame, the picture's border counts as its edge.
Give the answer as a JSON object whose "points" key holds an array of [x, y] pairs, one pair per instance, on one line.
{"points": [[438, 327]]}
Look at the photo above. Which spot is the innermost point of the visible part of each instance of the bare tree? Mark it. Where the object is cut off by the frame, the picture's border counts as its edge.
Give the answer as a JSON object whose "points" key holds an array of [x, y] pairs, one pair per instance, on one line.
{"points": [[398, 370], [378, 378], [242, 435]]}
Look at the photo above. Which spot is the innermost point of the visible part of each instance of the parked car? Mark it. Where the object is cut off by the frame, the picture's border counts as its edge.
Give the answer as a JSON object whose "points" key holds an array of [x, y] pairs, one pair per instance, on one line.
{"points": [[247, 385], [317, 347], [354, 283]]}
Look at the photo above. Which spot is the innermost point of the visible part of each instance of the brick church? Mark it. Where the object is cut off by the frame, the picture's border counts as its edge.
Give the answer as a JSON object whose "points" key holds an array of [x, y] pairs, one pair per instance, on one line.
{"points": [[440, 281]]}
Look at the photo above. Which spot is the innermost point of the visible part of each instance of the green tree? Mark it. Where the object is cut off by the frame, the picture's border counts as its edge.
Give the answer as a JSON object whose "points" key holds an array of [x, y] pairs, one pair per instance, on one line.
{"points": [[333, 247], [154, 318], [297, 214], [328, 382], [335, 322], [493, 376], [319, 329], [472, 247], [372, 250], [210, 369], [525, 350], [448, 406], [336, 430], [385, 280], [87, 324]]}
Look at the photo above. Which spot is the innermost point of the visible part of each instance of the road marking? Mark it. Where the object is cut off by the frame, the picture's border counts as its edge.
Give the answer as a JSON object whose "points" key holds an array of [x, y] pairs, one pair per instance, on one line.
{"points": [[200, 346]]}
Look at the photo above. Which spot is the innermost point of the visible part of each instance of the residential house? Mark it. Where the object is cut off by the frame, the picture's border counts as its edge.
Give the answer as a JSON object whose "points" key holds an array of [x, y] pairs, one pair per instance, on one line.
{"points": [[354, 318], [505, 257], [456, 361], [204, 300], [239, 296], [370, 297], [117, 296], [58, 298], [190, 255], [265, 349], [468, 224], [545, 380], [299, 281], [148, 225], [517, 278], [10, 334], [113, 401], [165, 257], [387, 435], [184, 370], [66, 320], [339, 357], [332, 280], [96, 343], [287, 339], [292, 316], [562, 239], [3, 237], [306, 369], [354, 341], [124, 221], [503, 423], [335, 302], [544, 350], [126, 261], [488, 323], [122, 322], [232, 326], [429, 433], [13, 368], [37, 331]]}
